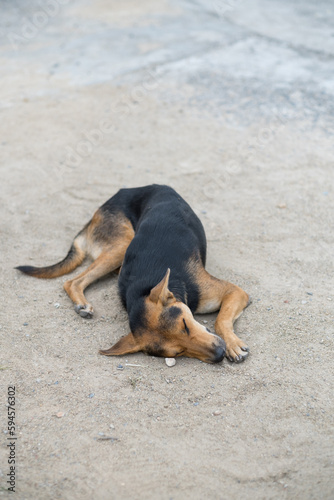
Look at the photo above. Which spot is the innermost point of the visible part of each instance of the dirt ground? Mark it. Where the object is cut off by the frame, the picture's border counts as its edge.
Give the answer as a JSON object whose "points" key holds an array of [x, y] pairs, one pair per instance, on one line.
{"points": [[233, 107]]}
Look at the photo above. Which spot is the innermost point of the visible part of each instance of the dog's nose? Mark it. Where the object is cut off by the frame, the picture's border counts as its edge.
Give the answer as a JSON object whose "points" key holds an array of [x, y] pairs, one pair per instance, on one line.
{"points": [[219, 352]]}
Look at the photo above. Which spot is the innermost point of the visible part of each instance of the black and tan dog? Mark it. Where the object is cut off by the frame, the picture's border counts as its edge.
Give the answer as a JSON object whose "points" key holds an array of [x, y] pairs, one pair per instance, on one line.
{"points": [[159, 243]]}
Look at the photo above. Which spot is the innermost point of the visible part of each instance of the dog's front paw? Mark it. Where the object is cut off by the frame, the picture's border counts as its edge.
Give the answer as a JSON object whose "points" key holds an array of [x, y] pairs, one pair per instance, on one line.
{"points": [[85, 311], [236, 350]]}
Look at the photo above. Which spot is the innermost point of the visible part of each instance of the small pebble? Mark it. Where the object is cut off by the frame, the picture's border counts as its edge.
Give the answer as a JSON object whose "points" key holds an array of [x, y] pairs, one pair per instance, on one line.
{"points": [[25, 324], [91, 395], [60, 414], [217, 412], [170, 361], [57, 305], [120, 367]]}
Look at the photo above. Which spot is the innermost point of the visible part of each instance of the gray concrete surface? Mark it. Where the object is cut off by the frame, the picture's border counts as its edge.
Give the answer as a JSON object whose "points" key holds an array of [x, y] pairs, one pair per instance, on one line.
{"points": [[231, 103]]}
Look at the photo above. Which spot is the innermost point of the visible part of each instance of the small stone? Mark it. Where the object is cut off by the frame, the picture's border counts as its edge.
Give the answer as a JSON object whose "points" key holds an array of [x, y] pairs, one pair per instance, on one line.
{"points": [[304, 302], [60, 414], [204, 321], [170, 362], [217, 412], [57, 305], [112, 426], [91, 395], [25, 324], [281, 205]]}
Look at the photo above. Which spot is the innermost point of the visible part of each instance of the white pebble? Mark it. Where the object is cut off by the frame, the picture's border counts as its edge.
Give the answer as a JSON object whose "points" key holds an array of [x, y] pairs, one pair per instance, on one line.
{"points": [[170, 361]]}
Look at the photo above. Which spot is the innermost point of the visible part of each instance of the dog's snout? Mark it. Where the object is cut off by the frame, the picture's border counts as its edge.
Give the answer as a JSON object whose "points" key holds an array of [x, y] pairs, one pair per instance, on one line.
{"points": [[219, 352]]}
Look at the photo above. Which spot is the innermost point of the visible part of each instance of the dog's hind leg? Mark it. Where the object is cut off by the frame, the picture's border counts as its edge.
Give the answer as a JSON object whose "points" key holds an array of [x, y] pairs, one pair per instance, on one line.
{"points": [[108, 261], [107, 239], [230, 300]]}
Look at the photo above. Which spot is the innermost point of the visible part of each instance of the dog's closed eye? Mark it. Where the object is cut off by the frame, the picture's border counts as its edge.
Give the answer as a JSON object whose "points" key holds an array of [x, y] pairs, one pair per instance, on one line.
{"points": [[185, 327]]}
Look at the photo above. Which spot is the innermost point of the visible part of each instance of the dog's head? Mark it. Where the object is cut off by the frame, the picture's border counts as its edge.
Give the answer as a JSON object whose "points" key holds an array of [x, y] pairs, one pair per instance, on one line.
{"points": [[170, 331]]}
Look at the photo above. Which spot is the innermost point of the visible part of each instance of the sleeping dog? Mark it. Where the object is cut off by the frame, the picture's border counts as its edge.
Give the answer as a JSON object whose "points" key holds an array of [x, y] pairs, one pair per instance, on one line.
{"points": [[156, 240]]}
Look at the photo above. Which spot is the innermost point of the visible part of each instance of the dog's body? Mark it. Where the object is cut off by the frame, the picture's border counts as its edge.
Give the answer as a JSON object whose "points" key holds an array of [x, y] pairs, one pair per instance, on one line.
{"points": [[160, 245]]}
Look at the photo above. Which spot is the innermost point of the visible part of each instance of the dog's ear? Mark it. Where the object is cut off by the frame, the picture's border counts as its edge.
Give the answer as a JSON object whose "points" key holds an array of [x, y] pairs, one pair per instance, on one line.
{"points": [[161, 292], [126, 345]]}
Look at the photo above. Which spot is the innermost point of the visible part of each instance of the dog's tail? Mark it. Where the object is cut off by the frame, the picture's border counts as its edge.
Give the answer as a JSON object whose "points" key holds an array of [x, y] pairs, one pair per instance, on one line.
{"points": [[72, 260]]}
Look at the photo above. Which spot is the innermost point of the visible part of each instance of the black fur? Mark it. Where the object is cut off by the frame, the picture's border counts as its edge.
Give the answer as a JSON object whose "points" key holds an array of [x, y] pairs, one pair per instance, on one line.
{"points": [[26, 269], [168, 235]]}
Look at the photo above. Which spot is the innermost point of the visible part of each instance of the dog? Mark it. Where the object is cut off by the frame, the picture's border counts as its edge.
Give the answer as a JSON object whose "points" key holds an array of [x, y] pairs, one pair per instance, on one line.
{"points": [[156, 240]]}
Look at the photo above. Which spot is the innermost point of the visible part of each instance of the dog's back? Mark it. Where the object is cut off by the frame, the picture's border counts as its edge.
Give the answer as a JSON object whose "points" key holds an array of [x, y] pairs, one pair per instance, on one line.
{"points": [[168, 235]]}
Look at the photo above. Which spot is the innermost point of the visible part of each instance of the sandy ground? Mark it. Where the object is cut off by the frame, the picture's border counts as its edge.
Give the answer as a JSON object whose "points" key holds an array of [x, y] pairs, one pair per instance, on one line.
{"points": [[232, 105]]}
